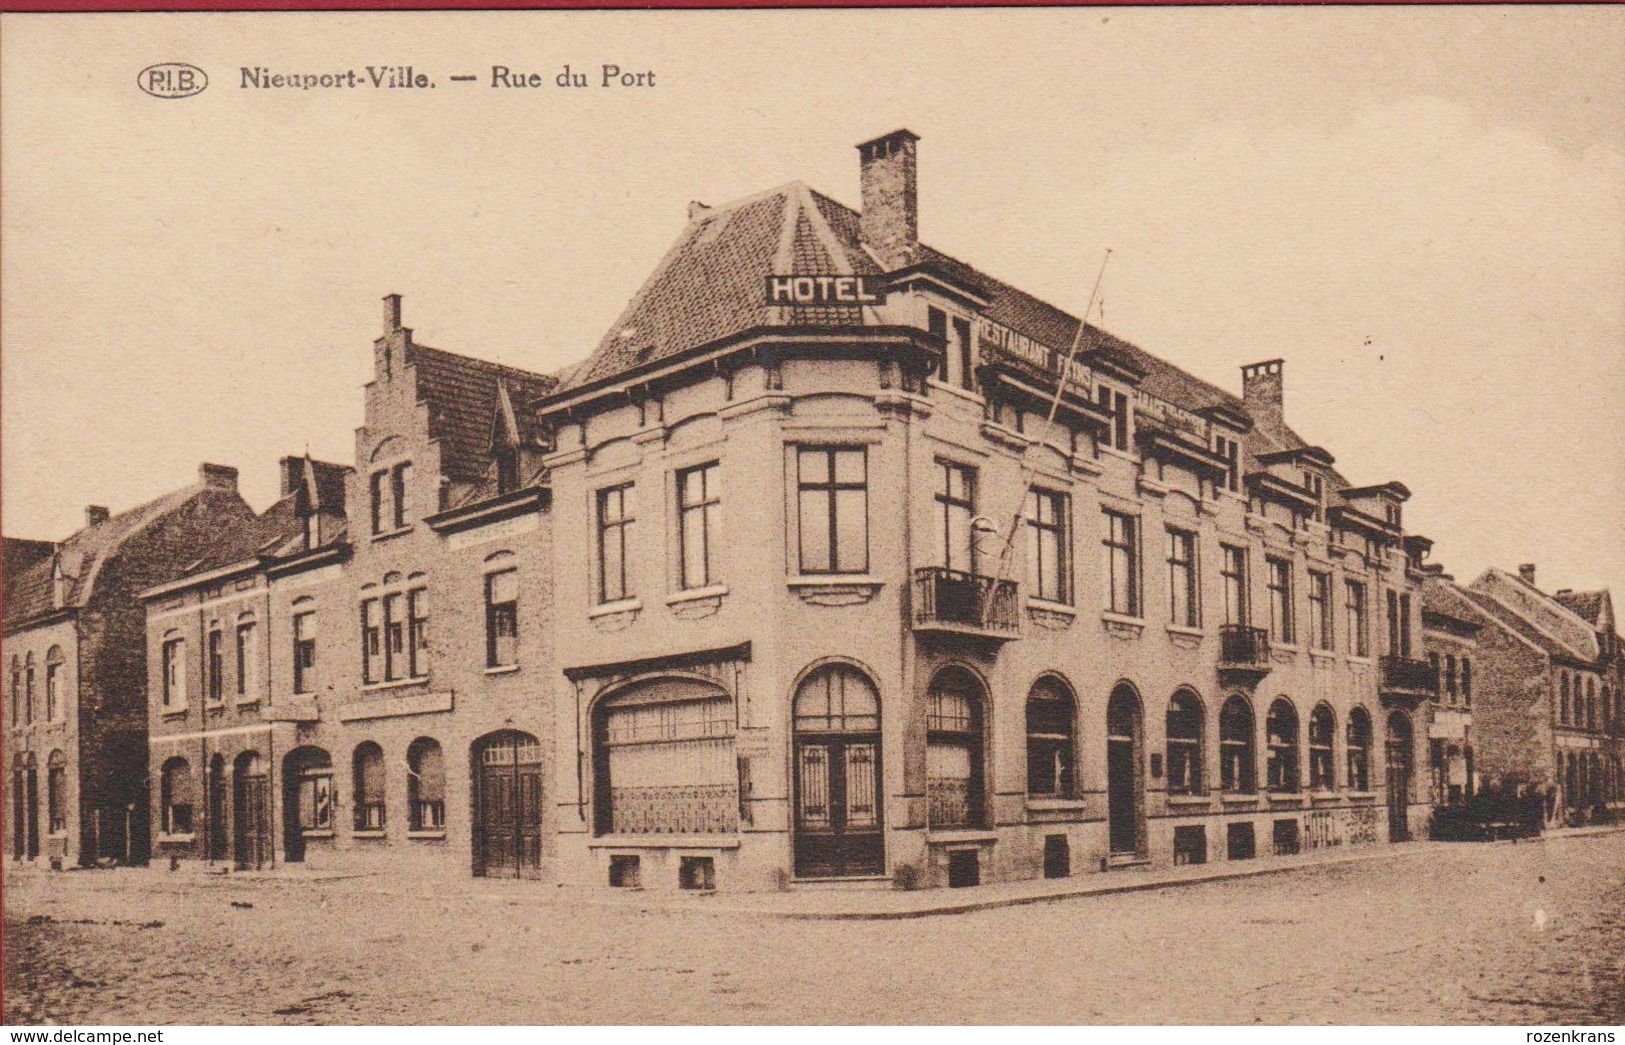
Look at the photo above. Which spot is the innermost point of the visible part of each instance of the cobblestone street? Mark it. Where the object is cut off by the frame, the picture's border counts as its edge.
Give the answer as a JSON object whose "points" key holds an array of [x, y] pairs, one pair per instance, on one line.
{"points": [[1530, 934]]}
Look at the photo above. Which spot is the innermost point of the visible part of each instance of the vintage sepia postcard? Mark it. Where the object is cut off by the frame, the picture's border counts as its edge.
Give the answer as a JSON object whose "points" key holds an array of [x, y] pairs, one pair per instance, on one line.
{"points": [[1095, 515]]}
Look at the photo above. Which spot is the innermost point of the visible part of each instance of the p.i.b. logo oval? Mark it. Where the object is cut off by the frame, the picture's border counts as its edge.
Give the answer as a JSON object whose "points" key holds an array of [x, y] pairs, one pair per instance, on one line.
{"points": [[172, 80]]}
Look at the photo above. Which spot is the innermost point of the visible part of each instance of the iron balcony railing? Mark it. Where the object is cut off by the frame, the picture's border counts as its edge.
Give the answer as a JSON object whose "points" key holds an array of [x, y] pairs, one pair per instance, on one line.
{"points": [[1244, 647], [969, 600], [1403, 674]]}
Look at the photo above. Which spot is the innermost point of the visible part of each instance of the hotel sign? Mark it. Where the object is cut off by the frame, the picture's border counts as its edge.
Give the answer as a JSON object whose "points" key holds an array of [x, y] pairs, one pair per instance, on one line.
{"points": [[824, 290]]}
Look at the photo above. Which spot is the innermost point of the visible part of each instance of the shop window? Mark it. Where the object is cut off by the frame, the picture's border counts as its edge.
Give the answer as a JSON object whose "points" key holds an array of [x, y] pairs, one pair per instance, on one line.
{"points": [[425, 786], [1184, 730], [1359, 750], [1050, 743], [176, 797], [1190, 845], [1236, 759], [369, 787], [664, 760], [1322, 732], [954, 754], [1281, 756]]}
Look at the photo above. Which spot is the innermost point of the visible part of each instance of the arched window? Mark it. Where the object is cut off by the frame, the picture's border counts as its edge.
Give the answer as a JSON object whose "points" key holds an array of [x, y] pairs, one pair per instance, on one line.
{"points": [[28, 688], [1051, 713], [1185, 744], [1322, 730], [56, 797], [176, 790], [1281, 756], [53, 683], [953, 755], [426, 785], [1236, 760], [1563, 709], [369, 787]]}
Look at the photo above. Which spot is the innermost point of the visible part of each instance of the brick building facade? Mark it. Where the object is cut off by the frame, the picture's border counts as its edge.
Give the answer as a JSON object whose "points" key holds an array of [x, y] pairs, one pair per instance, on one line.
{"points": [[74, 650]]}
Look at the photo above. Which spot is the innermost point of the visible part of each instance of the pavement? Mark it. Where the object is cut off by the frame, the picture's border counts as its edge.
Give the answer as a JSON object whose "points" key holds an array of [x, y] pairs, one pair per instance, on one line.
{"points": [[1531, 933]]}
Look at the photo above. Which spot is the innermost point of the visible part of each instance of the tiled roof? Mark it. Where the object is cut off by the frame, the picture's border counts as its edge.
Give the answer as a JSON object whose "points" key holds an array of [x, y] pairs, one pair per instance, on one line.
{"points": [[82, 556], [709, 286], [1537, 616], [1587, 605], [462, 397]]}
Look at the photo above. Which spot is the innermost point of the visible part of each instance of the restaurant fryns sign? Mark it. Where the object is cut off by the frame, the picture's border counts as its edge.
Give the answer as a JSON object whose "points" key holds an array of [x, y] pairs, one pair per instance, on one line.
{"points": [[824, 290]]}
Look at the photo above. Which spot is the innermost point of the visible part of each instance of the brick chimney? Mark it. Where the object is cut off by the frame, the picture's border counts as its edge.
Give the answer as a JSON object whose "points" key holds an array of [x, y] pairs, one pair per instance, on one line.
{"points": [[1526, 573], [217, 476], [1261, 387], [890, 223], [96, 514], [392, 313]]}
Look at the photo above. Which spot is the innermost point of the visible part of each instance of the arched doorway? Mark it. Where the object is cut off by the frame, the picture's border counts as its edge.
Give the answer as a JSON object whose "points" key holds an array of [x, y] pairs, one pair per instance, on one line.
{"points": [[250, 821], [837, 775], [307, 800], [216, 784], [507, 832], [1125, 780], [1400, 758]]}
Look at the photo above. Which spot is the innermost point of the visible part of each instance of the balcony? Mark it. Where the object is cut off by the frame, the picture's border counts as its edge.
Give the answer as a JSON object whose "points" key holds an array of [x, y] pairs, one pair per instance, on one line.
{"points": [[953, 602], [1407, 681], [1244, 653]]}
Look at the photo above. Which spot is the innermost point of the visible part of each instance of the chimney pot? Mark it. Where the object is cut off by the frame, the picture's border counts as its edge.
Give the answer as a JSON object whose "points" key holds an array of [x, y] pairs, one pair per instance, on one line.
{"points": [[96, 514], [890, 222], [1526, 572], [218, 476], [392, 313]]}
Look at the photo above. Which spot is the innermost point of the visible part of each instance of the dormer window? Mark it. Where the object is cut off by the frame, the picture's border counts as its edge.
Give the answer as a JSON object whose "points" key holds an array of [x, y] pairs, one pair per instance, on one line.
{"points": [[1316, 486], [1392, 513], [1116, 403], [958, 356], [1230, 450]]}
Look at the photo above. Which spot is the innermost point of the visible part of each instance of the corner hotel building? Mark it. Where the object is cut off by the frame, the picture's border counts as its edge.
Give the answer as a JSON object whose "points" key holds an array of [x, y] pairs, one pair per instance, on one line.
{"points": [[727, 605]]}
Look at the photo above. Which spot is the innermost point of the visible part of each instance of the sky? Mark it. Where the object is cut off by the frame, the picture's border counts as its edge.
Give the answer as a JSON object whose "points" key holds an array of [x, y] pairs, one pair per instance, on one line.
{"points": [[1421, 210]]}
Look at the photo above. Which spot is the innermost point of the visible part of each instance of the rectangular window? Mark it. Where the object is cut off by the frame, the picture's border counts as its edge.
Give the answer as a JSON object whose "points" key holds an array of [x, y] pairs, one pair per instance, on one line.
{"points": [[53, 690], [502, 619], [247, 661], [215, 666], [1355, 612], [832, 503], [956, 507], [1450, 676], [1467, 683], [304, 651], [372, 642], [316, 802], [400, 482], [381, 509], [1047, 545], [417, 632], [936, 323], [394, 638], [1393, 623], [1117, 404], [1280, 585], [1404, 625], [964, 349], [699, 502], [56, 798], [1184, 600], [1122, 546], [1317, 488], [1320, 610], [1235, 584], [175, 673], [615, 518]]}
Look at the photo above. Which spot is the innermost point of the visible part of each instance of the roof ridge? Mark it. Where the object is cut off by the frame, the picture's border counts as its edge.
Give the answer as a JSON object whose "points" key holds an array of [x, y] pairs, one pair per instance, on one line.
{"points": [[744, 201], [463, 357]]}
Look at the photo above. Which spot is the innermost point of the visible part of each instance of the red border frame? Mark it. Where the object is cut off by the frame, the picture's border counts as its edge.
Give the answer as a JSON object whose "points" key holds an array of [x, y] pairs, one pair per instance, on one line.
{"points": [[94, 6]]}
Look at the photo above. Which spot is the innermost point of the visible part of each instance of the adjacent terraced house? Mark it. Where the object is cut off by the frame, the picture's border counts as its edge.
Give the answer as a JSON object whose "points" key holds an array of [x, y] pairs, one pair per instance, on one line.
{"points": [[75, 656]]}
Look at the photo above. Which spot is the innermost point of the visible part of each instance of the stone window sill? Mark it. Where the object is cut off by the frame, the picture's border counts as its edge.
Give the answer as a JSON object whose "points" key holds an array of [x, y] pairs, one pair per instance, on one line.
{"points": [[1042, 803], [374, 687], [606, 609], [1050, 606], [389, 534], [175, 711], [185, 839], [1239, 799], [426, 836], [1175, 799], [502, 669], [317, 832], [366, 834], [712, 591]]}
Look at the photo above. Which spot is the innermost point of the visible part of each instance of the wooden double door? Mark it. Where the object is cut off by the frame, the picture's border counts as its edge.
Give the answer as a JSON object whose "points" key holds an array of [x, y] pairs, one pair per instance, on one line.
{"points": [[838, 821], [508, 806]]}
